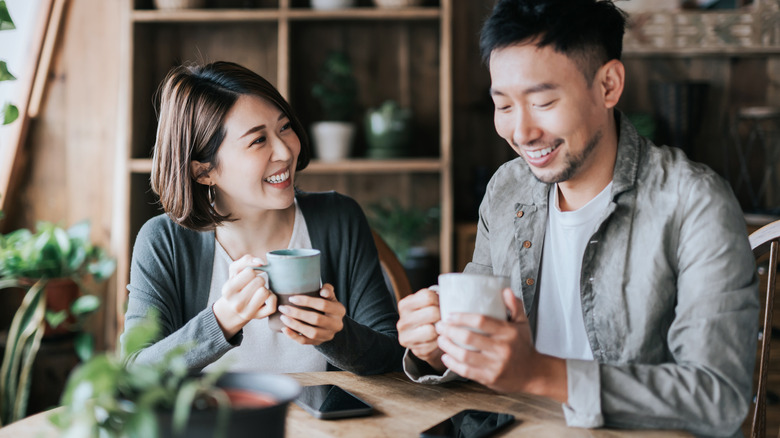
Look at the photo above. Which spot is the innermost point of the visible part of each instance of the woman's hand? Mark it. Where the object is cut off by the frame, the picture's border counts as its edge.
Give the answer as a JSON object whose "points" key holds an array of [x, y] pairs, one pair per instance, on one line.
{"points": [[244, 297], [306, 326]]}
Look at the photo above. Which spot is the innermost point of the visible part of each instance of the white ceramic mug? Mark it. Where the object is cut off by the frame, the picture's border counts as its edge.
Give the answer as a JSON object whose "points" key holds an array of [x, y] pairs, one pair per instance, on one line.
{"points": [[471, 293]]}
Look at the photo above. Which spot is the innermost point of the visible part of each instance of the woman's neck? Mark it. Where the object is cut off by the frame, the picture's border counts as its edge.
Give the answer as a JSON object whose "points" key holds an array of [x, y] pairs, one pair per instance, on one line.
{"points": [[258, 234]]}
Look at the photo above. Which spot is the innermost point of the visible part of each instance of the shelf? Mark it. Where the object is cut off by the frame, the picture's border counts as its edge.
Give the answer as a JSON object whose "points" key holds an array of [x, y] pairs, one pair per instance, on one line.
{"points": [[251, 15], [365, 165], [355, 165], [752, 30]]}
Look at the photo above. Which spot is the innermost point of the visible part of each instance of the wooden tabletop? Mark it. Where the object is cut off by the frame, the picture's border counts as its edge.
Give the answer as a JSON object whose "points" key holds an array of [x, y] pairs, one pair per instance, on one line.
{"points": [[404, 409]]}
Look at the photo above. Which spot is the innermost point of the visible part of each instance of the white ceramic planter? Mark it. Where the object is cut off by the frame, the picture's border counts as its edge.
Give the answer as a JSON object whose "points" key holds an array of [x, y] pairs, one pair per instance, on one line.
{"points": [[332, 140], [331, 4]]}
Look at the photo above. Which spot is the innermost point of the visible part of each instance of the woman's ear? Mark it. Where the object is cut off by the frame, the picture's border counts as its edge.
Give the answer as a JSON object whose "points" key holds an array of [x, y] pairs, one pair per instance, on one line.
{"points": [[201, 172], [612, 76]]}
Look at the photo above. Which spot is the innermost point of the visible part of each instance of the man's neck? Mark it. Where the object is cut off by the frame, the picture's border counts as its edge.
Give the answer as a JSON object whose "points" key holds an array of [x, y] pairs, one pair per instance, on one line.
{"points": [[597, 173]]}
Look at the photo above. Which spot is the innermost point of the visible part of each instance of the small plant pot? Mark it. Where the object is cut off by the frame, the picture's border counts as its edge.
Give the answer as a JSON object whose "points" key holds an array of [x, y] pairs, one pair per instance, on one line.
{"points": [[331, 4], [332, 140], [60, 294], [387, 137], [250, 416]]}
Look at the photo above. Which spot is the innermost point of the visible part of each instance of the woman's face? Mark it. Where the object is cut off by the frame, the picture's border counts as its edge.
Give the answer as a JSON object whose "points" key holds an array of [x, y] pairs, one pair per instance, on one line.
{"points": [[256, 160]]}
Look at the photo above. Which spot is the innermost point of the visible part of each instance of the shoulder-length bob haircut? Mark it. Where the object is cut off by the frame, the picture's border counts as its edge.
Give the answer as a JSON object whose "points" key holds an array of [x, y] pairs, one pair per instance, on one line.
{"points": [[194, 100]]}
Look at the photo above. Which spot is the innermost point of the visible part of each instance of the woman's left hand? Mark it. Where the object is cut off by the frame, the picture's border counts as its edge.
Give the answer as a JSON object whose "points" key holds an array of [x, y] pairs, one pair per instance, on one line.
{"points": [[313, 328]]}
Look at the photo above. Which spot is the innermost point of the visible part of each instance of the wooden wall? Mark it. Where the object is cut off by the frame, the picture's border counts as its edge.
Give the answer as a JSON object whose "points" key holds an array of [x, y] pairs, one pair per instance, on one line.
{"points": [[69, 153]]}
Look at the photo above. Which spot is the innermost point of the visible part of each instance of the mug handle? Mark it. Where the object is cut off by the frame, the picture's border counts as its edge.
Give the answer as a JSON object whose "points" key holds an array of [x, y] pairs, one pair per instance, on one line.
{"points": [[434, 288]]}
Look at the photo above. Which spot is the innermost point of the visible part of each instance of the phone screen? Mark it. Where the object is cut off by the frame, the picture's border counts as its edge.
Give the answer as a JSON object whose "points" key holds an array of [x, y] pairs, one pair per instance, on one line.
{"points": [[469, 423], [330, 401]]}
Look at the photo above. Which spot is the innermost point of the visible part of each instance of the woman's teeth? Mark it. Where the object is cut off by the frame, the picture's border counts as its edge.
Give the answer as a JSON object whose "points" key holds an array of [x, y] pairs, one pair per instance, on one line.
{"points": [[542, 152], [276, 179]]}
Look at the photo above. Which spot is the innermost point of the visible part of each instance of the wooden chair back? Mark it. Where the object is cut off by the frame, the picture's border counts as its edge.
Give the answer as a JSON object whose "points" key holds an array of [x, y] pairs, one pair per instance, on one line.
{"points": [[765, 240], [393, 268]]}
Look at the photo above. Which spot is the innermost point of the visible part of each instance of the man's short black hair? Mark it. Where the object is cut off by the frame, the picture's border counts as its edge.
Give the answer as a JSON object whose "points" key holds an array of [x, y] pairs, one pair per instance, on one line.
{"points": [[590, 32]]}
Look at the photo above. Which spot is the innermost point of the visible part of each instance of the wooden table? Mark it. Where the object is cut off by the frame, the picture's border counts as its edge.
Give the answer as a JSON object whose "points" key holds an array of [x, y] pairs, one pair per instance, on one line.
{"points": [[404, 409]]}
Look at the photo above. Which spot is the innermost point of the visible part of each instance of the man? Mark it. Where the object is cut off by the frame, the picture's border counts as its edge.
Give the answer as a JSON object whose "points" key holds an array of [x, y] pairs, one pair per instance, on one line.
{"points": [[635, 296]]}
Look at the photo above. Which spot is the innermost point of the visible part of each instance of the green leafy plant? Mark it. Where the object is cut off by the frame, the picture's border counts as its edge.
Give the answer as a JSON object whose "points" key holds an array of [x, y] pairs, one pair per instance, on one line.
{"points": [[108, 397], [337, 88], [9, 112], [29, 260], [402, 228]]}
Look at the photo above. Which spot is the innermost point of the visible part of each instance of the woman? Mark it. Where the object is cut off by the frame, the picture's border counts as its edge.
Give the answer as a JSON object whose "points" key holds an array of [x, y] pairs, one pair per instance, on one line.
{"points": [[225, 160]]}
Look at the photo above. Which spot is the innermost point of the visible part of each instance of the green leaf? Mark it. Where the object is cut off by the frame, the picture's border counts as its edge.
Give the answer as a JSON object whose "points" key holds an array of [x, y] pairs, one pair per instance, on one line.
{"points": [[9, 113], [6, 23], [84, 304], [141, 335], [102, 269], [5, 75], [85, 345], [56, 318], [80, 231]]}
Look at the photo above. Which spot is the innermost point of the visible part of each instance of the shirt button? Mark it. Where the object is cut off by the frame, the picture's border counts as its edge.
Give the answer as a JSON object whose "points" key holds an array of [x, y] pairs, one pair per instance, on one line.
{"points": [[520, 213], [527, 244], [529, 281]]}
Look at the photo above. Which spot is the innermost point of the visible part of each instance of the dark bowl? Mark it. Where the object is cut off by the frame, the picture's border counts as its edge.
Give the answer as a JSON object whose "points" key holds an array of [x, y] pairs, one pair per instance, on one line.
{"points": [[246, 421]]}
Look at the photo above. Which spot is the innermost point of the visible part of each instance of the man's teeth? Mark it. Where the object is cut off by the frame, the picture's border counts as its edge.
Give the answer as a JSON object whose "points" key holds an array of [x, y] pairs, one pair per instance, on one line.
{"points": [[542, 152], [276, 179]]}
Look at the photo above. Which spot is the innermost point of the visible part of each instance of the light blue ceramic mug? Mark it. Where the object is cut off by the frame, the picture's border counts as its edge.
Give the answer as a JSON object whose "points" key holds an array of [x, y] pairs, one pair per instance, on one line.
{"points": [[291, 272]]}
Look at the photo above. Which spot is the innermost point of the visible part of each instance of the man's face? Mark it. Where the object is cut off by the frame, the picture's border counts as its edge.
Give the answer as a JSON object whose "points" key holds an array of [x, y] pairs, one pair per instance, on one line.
{"points": [[547, 112]]}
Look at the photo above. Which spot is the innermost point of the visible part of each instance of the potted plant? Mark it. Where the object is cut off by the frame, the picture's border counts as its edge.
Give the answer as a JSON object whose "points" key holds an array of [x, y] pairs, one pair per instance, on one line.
{"points": [[9, 112], [336, 92], [388, 131], [108, 396], [51, 265], [405, 231]]}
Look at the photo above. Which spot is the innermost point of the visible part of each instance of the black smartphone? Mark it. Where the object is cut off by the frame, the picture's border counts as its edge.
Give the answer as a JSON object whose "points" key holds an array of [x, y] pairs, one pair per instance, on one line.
{"points": [[330, 401], [469, 423]]}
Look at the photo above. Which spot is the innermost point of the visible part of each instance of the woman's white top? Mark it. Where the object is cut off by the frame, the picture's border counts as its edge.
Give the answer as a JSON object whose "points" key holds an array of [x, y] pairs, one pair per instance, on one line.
{"points": [[263, 349]]}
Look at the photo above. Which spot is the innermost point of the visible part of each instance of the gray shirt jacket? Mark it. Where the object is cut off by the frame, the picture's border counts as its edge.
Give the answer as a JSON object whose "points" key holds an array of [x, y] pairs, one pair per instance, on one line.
{"points": [[668, 285], [171, 273]]}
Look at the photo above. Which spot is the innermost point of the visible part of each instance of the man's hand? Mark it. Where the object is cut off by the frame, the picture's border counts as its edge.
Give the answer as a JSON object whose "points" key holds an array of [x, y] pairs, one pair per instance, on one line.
{"points": [[505, 360], [418, 314]]}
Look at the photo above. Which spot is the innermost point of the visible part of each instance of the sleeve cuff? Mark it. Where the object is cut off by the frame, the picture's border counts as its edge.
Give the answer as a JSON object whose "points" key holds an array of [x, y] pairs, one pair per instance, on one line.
{"points": [[415, 368], [583, 408]]}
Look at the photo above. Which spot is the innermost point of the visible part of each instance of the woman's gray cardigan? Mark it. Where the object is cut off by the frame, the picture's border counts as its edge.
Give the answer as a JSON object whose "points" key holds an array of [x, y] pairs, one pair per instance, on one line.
{"points": [[171, 273]]}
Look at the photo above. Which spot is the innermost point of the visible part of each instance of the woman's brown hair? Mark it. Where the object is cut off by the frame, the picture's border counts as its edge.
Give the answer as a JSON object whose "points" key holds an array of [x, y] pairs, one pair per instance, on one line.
{"points": [[194, 100]]}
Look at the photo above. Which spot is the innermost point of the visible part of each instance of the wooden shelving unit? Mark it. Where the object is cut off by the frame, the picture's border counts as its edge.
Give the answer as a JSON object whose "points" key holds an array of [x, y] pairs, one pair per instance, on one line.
{"points": [[401, 54]]}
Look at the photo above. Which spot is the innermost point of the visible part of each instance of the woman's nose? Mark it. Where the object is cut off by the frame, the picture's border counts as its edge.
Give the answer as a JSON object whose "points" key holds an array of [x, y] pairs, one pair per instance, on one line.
{"points": [[281, 150]]}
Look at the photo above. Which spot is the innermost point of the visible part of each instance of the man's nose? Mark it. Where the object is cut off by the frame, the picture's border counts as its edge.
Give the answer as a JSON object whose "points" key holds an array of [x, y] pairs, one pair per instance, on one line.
{"points": [[526, 131]]}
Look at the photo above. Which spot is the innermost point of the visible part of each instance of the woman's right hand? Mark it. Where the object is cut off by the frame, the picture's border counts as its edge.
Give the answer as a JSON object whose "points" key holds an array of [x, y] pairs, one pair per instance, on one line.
{"points": [[244, 297]]}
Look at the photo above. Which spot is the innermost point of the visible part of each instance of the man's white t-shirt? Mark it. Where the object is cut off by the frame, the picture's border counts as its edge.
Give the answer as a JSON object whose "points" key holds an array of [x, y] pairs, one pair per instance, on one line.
{"points": [[263, 349], [560, 329]]}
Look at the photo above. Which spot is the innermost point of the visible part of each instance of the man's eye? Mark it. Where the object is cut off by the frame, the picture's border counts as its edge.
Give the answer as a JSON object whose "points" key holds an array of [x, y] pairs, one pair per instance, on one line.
{"points": [[544, 105], [259, 140]]}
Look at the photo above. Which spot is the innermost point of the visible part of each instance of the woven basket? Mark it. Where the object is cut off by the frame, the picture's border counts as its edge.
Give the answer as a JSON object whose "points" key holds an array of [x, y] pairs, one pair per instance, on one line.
{"points": [[397, 3], [179, 4]]}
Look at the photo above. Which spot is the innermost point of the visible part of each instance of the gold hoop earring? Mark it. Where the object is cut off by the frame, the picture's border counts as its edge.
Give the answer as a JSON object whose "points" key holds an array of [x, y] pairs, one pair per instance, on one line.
{"points": [[212, 194]]}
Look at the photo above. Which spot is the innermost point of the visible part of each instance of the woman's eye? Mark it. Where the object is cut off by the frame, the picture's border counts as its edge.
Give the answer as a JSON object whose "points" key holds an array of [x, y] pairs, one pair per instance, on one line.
{"points": [[259, 140], [286, 126]]}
